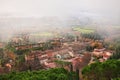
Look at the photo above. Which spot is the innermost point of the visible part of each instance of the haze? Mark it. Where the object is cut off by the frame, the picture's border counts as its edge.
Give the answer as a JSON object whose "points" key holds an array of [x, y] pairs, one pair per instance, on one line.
{"points": [[32, 12]]}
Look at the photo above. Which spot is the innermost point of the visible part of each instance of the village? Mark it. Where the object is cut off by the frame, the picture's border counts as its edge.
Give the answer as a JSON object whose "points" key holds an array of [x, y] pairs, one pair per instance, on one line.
{"points": [[59, 40], [76, 52]]}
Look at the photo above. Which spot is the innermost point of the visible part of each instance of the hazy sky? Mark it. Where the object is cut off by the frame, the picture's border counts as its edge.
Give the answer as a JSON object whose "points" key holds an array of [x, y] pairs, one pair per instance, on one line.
{"points": [[38, 8], [108, 9]]}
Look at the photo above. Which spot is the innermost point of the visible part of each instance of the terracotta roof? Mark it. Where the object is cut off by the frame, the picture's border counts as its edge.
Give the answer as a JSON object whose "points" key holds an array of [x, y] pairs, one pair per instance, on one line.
{"points": [[50, 65]]}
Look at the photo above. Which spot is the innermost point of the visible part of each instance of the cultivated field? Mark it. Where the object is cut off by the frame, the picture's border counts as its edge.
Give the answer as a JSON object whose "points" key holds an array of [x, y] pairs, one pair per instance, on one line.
{"points": [[83, 30]]}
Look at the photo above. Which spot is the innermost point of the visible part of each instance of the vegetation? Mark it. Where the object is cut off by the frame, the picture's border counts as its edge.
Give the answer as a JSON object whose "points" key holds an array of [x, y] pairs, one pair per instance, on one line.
{"points": [[51, 74], [102, 71], [93, 36], [44, 34], [1, 53], [62, 63], [83, 30], [10, 47], [46, 46], [20, 52], [69, 36], [89, 48], [116, 79], [116, 54]]}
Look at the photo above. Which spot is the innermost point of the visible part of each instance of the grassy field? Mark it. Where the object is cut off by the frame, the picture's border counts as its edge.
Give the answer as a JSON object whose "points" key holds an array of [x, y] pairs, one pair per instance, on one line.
{"points": [[83, 30], [44, 34]]}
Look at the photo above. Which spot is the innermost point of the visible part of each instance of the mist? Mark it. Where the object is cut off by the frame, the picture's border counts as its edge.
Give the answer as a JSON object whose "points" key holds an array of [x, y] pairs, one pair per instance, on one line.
{"points": [[17, 16]]}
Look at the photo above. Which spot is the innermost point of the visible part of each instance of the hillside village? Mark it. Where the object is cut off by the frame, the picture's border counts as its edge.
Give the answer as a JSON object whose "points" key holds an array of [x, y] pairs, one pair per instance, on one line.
{"points": [[76, 51]]}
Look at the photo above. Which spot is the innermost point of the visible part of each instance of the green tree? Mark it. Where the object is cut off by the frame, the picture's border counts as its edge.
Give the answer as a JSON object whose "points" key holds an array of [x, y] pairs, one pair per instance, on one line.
{"points": [[116, 54], [51, 74], [102, 71]]}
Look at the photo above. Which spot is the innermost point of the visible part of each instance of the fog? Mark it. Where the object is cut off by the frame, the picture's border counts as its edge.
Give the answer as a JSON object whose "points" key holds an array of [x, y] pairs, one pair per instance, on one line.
{"points": [[40, 15]]}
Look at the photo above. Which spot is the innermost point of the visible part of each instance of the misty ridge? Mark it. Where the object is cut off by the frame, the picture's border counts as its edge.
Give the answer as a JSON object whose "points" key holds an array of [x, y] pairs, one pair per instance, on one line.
{"points": [[10, 26]]}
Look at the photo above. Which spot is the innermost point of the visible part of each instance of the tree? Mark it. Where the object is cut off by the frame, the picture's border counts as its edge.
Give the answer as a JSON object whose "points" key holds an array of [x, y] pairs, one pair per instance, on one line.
{"points": [[1, 53], [102, 71], [116, 54], [62, 77], [51, 74]]}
